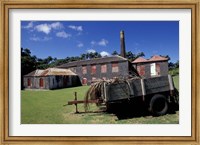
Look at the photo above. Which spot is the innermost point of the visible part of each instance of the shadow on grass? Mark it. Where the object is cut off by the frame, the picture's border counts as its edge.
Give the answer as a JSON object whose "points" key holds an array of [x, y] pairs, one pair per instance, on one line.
{"points": [[134, 110], [83, 112], [127, 110]]}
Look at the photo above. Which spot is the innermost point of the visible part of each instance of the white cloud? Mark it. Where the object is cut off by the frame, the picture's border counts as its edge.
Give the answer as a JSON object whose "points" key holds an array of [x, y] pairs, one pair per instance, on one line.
{"points": [[43, 28], [77, 28], [57, 25], [34, 38], [28, 26], [92, 42], [80, 45], [46, 28], [91, 51], [47, 38], [104, 53], [103, 42], [63, 34]]}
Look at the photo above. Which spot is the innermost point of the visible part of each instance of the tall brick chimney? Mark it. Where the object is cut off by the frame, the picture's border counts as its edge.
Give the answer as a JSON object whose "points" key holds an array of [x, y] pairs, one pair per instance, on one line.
{"points": [[123, 51]]}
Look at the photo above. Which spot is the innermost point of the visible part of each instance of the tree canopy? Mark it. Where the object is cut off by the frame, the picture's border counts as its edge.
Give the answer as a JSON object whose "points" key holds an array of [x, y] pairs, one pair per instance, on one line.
{"points": [[130, 56], [30, 62]]}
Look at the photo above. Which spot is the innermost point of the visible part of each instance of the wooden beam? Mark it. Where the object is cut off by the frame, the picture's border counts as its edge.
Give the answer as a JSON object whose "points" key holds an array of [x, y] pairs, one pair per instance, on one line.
{"points": [[82, 101]]}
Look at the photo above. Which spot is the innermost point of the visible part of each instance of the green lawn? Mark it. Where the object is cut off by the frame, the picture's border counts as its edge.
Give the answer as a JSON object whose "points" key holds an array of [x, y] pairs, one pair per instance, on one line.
{"points": [[176, 81], [46, 107]]}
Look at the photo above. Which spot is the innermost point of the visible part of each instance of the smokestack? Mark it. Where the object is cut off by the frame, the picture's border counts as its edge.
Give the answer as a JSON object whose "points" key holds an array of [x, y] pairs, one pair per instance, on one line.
{"points": [[123, 51]]}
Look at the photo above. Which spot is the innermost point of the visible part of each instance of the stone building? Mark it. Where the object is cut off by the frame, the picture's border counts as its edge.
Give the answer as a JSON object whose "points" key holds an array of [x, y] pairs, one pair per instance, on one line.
{"points": [[102, 68], [87, 71], [51, 78], [99, 68], [156, 65]]}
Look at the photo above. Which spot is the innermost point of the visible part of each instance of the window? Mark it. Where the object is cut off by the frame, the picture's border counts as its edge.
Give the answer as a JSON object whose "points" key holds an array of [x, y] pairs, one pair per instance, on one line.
{"points": [[158, 69], [93, 69], [141, 70], [84, 81], [41, 82], [29, 82], [103, 68], [115, 67], [155, 69], [84, 69]]}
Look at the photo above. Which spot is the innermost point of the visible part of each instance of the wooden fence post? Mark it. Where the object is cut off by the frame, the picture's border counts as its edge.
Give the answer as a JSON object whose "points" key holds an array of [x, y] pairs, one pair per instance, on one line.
{"points": [[75, 94]]}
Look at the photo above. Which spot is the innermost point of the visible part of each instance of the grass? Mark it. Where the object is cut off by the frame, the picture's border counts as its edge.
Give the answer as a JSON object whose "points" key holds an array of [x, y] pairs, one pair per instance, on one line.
{"points": [[46, 107], [176, 81], [174, 71]]}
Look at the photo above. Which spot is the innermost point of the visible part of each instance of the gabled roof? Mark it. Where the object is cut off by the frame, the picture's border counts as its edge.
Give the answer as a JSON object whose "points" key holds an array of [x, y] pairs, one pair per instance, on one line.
{"points": [[157, 58], [51, 71], [36, 72], [115, 58], [139, 59], [154, 58], [59, 71]]}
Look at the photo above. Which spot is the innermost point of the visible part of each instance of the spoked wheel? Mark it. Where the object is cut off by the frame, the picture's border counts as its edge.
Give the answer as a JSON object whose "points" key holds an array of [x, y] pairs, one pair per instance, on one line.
{"points": [[158, 105]]}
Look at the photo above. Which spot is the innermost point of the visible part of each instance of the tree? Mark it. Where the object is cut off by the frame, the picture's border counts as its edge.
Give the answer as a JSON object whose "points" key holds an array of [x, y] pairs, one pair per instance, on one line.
{"points": [[25, 52], [83, 56], [49, 59], [115, 53], [141, 54], [171, 65], [90, 55], [166, 56], [97, 55], [176, 64], [28, 63], [130, 56]]}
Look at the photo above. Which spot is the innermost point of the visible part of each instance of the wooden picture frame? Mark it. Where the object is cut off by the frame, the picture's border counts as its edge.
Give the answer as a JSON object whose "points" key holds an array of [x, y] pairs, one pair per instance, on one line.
{"points": [[114, 4]]}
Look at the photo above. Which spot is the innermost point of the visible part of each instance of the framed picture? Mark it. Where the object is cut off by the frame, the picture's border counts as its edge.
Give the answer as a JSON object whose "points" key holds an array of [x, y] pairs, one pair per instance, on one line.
{"points": [[48, 48]]}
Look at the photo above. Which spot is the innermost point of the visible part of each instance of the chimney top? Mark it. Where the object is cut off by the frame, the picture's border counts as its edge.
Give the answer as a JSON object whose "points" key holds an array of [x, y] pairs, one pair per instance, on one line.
{"points": [[121, 33]]}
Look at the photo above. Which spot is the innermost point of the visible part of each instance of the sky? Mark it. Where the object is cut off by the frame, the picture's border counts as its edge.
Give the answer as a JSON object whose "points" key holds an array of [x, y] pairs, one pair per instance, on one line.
{"points": [[61, 39]]}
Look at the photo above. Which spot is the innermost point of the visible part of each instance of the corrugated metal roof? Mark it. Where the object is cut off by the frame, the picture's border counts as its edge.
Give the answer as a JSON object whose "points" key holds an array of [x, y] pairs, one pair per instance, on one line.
{"points": [[115, 58], [59, 71], [36, 72], [51, 71]]}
